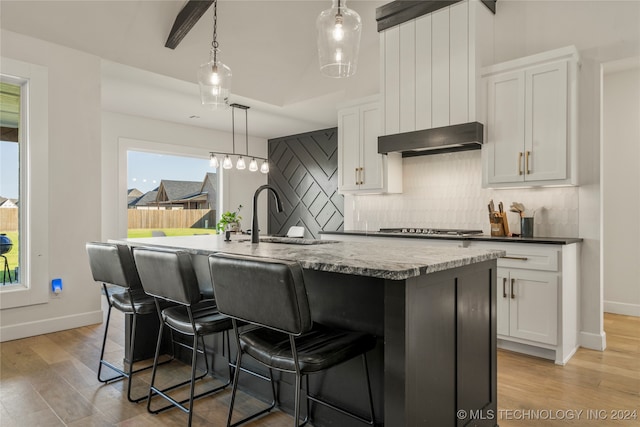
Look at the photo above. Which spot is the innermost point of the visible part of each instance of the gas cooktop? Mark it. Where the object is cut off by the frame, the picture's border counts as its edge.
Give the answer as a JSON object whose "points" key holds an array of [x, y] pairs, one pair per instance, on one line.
{"points": [[433, 231]]}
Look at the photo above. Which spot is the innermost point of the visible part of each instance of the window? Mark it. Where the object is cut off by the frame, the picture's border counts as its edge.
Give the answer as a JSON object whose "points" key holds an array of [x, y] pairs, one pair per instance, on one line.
{"points": [[172, 193], [10, 89], [25, 169]]}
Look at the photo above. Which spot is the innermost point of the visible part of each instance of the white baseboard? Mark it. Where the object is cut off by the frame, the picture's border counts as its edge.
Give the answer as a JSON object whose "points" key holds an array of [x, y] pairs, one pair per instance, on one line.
{"points": [[593, 341], [622, 308], [46, 326]]}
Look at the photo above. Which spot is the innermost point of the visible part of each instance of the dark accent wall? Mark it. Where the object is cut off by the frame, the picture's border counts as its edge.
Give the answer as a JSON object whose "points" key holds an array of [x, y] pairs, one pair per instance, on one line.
{"points": [[304, 170]]}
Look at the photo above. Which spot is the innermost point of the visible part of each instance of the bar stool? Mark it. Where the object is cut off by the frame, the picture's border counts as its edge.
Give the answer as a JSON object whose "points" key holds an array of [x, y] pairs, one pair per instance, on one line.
{"points": [[271, 294], [113, 264], [169, 276]]}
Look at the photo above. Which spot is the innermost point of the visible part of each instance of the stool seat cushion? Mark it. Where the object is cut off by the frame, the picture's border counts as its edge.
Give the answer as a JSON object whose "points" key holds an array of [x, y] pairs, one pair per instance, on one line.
{"points": [[143, 303], [318, 349], [206, 317]]}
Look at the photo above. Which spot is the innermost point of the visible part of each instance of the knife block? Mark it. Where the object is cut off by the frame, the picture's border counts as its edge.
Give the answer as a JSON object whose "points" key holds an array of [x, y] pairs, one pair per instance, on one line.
{"points": [[499, 224]]}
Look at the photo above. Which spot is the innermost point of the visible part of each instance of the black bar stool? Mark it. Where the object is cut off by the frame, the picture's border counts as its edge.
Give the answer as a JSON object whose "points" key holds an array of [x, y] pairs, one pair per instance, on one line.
{"points": [[113, 264], [169, 276], [271, 294]]}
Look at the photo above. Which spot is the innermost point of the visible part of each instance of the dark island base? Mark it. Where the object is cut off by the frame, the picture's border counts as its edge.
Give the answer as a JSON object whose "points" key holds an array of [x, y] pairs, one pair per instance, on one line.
{"points": [[436, 352]]}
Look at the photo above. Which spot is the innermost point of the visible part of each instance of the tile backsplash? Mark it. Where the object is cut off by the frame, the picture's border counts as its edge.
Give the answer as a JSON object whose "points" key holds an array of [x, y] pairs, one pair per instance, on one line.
{"points": [[444, 191]]}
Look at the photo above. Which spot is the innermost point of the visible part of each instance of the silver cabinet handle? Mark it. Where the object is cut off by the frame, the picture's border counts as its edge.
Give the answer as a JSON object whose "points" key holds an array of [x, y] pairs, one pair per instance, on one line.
{"points": [[504, 287], [519, 258], [513, 295]]}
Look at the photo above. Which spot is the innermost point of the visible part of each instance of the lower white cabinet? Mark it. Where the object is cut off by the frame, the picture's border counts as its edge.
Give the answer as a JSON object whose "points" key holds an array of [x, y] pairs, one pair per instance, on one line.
{"points": [[527, 305], [537, 298]]}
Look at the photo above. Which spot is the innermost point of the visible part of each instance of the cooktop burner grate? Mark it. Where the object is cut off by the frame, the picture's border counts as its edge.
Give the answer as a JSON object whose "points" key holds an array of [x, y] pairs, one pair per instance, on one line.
{"points": [[435, 231]]}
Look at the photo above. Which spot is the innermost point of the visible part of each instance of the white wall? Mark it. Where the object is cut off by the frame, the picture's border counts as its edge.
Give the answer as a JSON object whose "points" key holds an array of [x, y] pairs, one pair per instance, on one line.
{"points": [[121, 132], [72, 184], [621, 191]]}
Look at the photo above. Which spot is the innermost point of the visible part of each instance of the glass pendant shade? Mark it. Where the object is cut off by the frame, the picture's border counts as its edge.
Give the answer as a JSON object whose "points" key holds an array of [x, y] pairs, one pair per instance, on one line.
{"points": [[213, 161], [253, 165], [339, 31], [265, 167], [227, 163], [214, 79], [240, 164]]}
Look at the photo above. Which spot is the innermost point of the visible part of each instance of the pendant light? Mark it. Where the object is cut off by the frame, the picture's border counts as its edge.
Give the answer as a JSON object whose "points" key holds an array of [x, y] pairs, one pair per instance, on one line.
{"points": [[227, 163], [214, 77], [339, 31]]}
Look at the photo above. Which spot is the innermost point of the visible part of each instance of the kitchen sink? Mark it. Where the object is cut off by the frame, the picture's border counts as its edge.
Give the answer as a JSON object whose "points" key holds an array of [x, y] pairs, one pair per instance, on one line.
{"points": [[290, 240], [294, 240]]}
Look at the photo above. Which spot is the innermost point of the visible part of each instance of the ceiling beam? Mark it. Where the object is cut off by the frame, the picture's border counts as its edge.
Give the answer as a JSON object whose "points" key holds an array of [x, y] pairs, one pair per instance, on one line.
{"points": [[186, 19]]}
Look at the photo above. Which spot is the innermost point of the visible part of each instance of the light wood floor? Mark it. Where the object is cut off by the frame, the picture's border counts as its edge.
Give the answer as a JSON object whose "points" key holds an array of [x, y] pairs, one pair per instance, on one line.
{"points": [[50, 380]]}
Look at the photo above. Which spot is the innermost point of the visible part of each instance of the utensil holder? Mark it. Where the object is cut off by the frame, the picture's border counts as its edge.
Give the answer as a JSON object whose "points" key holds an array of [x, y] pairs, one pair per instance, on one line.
{"points": [[526, 226]]}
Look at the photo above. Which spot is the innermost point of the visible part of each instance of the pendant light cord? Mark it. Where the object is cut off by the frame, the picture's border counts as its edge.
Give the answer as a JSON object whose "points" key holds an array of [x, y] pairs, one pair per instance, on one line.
{"points": [[246, 129], [233, 128], [214, 43]]}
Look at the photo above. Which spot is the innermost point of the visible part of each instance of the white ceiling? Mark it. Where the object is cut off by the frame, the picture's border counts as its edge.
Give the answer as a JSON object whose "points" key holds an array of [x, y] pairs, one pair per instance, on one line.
{"points": [[269, 45]]}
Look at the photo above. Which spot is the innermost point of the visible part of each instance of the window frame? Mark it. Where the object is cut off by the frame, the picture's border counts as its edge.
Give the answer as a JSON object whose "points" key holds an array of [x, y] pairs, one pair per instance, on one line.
{"points": [[131, 144], [33, 287]]}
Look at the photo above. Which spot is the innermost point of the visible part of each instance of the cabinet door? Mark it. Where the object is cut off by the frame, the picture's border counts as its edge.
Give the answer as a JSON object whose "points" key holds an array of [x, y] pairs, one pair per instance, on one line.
{"points": [[371, 174], [503, 296], [505, 127], [546, 122], [348, 148], [534, 306]]}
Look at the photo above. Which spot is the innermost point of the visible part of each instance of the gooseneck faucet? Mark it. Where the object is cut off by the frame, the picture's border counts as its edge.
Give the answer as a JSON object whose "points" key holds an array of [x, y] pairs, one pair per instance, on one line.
{"points": [[255, 238]]}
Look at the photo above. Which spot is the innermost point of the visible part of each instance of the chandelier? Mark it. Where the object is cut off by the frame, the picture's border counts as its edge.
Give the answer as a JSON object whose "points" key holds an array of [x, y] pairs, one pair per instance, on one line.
{"points": [[339, 31], [227, 163], [214, 77]]}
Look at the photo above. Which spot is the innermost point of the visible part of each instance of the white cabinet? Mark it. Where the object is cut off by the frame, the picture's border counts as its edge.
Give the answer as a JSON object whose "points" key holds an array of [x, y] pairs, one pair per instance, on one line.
{"points": [[527, 305], [429, 67], [531, 113], [536, 298], [360, 168]]}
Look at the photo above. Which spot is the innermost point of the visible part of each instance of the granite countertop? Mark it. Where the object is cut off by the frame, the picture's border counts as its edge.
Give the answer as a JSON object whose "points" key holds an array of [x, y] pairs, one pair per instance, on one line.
{"points": [[471, 237], [391, 260]]}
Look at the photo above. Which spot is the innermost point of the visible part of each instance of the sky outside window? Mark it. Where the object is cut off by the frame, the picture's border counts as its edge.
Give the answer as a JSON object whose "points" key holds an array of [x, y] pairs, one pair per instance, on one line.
{"points": [[146, 170]]}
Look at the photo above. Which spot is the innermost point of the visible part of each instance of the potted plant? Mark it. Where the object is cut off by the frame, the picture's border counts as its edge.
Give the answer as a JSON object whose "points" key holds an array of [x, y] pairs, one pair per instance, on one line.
{"points": [[229, 221]]}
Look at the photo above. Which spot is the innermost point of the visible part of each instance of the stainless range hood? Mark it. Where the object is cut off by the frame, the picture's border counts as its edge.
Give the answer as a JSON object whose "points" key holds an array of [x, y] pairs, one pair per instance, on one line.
{"points": [[446, 139]]}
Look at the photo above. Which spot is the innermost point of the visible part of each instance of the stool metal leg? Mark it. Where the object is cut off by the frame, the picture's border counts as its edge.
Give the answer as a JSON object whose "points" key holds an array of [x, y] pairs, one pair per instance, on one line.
{"points": [[234, 388]]}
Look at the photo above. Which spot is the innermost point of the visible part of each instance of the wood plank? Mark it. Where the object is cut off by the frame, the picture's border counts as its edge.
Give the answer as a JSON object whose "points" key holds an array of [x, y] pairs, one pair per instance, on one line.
{"points": [[400, 11], [186, 19]]}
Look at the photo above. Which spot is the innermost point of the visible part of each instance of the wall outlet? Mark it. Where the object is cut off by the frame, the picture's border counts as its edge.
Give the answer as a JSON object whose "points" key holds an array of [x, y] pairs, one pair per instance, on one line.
{"points": [[56, 286]]}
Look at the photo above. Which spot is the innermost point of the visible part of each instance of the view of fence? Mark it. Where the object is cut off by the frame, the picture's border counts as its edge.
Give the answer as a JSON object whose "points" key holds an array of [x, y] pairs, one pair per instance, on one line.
{"points": [[183, 218], [8, 220]]}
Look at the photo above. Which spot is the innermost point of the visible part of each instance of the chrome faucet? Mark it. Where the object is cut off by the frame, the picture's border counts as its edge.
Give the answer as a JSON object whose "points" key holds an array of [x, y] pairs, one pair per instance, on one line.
{"points": [[255, 238]]}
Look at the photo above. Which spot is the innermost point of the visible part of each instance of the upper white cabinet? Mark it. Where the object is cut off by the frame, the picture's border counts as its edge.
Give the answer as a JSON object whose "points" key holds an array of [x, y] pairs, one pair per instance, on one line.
{"points": [[360, 168], [531, 115], [430, 67]]}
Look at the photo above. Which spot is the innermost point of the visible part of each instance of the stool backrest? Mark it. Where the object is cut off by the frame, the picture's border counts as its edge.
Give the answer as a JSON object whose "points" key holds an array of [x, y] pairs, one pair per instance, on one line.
{"points": [[113, 264], [167, 274], [262, 291]]}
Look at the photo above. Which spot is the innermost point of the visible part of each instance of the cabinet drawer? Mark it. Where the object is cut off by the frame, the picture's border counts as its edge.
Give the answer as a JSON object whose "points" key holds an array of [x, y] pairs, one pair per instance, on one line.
{"points": [[530, 259]]}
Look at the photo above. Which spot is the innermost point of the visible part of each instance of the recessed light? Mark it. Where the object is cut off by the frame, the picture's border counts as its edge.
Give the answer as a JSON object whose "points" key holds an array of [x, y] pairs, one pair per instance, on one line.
{"points": [[194, 117]]}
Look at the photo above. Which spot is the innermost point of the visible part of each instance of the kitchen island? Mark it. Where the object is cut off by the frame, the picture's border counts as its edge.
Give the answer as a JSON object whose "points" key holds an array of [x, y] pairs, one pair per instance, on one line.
{"points": [[433, 311]]}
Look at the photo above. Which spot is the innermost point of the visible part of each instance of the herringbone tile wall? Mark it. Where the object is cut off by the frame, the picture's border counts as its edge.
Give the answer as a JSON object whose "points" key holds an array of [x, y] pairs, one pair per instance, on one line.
{"points": [[304, 170]]}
